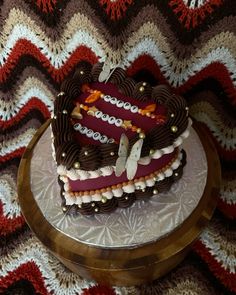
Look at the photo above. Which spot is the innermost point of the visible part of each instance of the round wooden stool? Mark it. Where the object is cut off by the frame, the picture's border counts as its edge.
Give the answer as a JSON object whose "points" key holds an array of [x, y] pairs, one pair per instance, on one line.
{"points": [[130, 246]]}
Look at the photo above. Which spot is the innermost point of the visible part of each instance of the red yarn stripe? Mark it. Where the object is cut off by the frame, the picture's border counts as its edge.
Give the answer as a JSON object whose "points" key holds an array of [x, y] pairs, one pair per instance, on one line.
{"points": [[9, 225], [115, 9], [46, 5], [226, 155], [28, 271], [17, 153], [192, 17], [33, 103], [229, 210], [227, 278], [215, 70], [23, 46], [99, 290]]}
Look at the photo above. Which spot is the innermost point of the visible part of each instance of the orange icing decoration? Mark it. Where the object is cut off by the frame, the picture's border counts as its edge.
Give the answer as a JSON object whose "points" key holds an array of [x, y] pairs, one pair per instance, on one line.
{"points": [[148, 109], [93, 96]]}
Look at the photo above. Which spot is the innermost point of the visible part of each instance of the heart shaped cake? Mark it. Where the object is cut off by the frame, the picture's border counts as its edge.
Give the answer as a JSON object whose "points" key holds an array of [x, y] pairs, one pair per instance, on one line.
{"points": [[116, 140]]}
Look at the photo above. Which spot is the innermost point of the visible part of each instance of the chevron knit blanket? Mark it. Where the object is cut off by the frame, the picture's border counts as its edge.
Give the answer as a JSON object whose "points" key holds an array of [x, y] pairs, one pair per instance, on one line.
{"points": [[188, 44]]}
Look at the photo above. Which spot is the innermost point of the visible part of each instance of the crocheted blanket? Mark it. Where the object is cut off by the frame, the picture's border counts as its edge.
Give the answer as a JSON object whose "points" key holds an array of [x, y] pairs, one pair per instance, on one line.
{"points": [[188, 44]]}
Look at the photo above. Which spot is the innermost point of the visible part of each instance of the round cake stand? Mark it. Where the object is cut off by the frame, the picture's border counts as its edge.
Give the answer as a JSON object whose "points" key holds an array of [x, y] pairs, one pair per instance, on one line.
{"points": [[122, 266]]}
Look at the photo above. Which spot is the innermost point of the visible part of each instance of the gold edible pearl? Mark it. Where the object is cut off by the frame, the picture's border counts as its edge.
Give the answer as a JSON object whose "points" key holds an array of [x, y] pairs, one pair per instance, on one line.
{"points": [[102, 95], [63, 155], [176, 174], [187, 108], [151, 152], [174, 129], [61, 94], [76, 165], [93, 204], [138, 130], [81, 72], [141, 89], [155, 191], [64, 112], [138, 187], [143, 190], [155, 178], [148, 114], [80, 206], [104, 200], [144, 83], [172, 115], [96, 209], [112, 153], [54, 117], [86, 153], [64, 209], [126, 198], [141, 135]]}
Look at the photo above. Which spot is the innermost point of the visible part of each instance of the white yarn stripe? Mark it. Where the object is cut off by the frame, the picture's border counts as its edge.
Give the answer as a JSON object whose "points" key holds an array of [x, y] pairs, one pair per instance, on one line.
{"points": [[32, 87], [55, 276], [8, 196], [20, 141], [18, 18], [147, 45], [195, 3], [226, 137], [228, 261], [228, 196]]}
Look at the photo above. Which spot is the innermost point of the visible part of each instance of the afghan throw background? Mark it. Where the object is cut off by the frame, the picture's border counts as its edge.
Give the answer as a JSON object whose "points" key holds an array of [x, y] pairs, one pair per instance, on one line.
{"points": [[189, 44]]}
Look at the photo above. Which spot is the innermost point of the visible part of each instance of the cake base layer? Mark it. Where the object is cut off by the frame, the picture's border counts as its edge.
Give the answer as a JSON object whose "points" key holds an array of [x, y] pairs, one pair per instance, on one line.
{"points": [[142, 223], [126, 199]]}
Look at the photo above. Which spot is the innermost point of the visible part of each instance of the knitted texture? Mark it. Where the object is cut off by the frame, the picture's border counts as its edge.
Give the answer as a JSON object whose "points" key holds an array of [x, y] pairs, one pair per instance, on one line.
{"points": [[187, 44]]}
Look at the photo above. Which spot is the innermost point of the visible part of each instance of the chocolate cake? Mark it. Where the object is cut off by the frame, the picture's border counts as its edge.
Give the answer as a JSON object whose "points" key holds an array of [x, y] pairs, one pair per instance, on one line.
{"points": [[116, 140]]}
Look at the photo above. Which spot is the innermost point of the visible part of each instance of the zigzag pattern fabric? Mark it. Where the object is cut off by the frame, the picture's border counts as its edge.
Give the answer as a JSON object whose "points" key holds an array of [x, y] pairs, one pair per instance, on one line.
{"points": [[187, 44]]}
